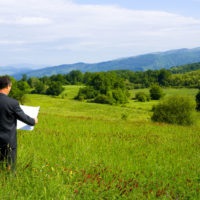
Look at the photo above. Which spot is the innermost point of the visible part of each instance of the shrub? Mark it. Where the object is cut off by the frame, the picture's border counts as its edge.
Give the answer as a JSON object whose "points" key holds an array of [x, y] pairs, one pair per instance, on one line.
{"points": [[156, 92], [175, 110], [124, 116], [198, 101], [119, 96], [86, 93], [104, 99], [142, 97]]}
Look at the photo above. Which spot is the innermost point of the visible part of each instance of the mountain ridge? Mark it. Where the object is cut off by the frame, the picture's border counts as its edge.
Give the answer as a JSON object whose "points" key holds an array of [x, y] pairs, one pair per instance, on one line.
{"points": [[149, 61]]}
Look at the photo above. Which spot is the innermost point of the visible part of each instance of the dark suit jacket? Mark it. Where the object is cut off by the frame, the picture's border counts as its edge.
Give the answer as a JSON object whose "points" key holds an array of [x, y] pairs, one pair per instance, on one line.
{"points": [[10, 111]]}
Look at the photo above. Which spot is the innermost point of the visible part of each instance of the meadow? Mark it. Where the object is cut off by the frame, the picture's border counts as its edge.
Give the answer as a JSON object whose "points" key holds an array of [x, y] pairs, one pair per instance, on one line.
{"points": [[81, 150]]}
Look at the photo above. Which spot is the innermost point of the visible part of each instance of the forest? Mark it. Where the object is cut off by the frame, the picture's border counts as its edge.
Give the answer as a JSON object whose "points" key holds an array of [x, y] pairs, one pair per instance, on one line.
{"points": [[109, 87]]}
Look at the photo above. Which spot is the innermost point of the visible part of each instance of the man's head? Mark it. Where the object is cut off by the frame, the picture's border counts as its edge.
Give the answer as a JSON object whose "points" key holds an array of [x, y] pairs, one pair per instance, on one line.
{"points": [[5, 84]]}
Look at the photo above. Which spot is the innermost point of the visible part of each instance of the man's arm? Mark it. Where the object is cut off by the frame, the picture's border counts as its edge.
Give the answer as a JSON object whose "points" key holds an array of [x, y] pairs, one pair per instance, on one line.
{"points": [[20, 115]]}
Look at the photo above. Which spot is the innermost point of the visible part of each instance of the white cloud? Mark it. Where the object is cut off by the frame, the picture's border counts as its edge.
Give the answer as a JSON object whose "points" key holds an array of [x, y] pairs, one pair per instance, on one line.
{"points": [[101, 31], [33, 21], [26, 21], [7, 42]]}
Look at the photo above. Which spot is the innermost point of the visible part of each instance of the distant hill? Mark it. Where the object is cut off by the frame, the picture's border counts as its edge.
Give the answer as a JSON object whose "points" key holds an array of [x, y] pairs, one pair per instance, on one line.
{"points": [[17, 69], [144, 62], [185, 68]]}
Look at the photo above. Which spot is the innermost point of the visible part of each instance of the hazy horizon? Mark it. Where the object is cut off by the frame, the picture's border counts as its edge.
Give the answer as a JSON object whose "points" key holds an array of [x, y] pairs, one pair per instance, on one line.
{"points": [[54, 32]]}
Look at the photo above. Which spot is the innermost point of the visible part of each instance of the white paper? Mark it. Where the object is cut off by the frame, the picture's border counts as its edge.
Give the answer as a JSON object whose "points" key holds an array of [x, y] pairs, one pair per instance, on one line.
{"points": [[30, 111]]}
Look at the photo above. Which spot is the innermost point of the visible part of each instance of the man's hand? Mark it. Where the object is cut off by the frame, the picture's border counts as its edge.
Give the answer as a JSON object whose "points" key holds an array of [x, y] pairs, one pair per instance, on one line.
{"points": [[36, 120]]}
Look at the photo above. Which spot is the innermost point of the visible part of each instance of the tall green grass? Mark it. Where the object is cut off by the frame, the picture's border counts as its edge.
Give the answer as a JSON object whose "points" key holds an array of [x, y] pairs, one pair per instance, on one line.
{"points": [[81, 150]]}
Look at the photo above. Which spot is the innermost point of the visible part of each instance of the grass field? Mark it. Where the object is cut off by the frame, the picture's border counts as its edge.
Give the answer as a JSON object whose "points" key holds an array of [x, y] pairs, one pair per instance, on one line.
{"points": [[89, 151]]}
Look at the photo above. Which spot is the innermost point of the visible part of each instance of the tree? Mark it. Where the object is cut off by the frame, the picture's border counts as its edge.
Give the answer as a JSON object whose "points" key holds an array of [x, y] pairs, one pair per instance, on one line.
{"points": [[156, 92], [55, 88], [58, 78], [24, 77], [198, 101], [23, 86], [75, 77], [17, 92], [104, 87], [163, 77], [175, 110], [33, 81], [101, 82], [40, 88]]}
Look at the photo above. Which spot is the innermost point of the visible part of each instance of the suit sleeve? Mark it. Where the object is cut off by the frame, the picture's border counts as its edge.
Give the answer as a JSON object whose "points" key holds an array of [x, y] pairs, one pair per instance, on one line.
{"points": [[20, 115]]}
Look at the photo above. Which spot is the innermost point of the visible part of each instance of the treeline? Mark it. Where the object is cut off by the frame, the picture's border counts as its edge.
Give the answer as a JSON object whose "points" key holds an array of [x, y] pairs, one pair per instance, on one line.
{"points": [[131, 79], [106, 87], [185, 68]]}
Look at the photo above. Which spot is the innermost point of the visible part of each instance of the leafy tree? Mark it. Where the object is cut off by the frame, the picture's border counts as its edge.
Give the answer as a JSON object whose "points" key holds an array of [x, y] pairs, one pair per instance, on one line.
{"points": [[156, 92], [16, 92], [23, 86], [104, 87], [40, 88], [175, 110], [163, 77], [24, 77], [75, 77], [87, 78], [55, 88], [58, 78], [198, 101], [101, 82]]}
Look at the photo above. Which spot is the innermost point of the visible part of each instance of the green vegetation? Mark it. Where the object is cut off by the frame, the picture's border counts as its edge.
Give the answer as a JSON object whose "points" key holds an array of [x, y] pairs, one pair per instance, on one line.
{"points": [[175, 110], [105, 88], [141, 96], [156, 92], [55, 88], [81, 150], [109, 87], [198, 101], [185, 68]]}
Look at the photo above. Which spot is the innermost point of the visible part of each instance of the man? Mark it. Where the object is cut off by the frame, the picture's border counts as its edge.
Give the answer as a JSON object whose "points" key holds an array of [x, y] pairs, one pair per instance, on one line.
{"points": [[10, 111]]}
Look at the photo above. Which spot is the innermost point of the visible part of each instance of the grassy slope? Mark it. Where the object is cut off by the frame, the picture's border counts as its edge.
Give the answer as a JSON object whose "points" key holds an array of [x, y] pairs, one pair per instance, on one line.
{"points": [[87, 151]]}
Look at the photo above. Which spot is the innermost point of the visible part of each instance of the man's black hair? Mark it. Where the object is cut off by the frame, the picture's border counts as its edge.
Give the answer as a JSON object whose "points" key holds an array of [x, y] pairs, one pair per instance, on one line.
{"points": [[4, 81]]}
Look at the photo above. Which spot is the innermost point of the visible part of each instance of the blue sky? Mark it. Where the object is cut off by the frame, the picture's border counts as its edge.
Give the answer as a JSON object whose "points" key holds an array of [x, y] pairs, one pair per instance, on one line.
{"points": [[52, 32]]}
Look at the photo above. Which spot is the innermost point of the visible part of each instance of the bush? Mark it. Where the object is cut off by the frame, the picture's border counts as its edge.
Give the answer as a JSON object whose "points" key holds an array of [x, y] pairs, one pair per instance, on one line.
{"points": [[198, 101], [175, 110], [156, 92], [119, 96], [104, 99], [142, 97], [86, 93]]}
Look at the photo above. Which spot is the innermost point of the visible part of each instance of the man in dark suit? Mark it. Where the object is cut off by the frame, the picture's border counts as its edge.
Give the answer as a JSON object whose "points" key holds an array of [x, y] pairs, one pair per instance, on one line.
{"points": [[10, 111]]}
